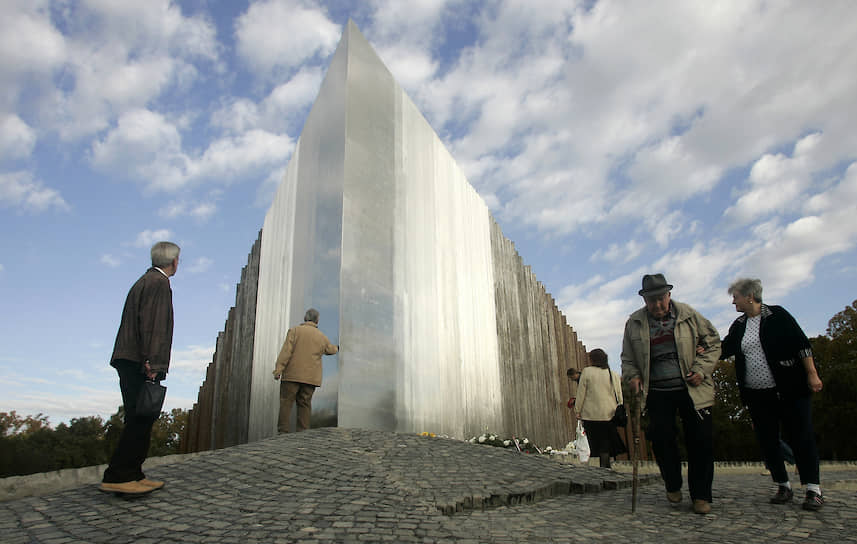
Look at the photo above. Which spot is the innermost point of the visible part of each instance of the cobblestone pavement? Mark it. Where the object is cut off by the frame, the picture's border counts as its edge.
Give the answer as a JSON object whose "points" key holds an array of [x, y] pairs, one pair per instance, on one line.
{"points": [[346, 485]]}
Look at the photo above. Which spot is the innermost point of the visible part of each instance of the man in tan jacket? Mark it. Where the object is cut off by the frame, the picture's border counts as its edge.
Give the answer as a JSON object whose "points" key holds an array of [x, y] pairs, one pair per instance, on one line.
{"points": [[299, 369]]}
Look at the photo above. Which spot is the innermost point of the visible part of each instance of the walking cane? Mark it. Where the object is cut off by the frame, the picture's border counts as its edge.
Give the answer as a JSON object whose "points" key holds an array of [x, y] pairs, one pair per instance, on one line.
{"points": [[635, 430]]}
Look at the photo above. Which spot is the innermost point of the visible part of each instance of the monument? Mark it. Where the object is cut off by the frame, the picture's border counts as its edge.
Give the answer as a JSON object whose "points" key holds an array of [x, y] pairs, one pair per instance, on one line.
{"points": [[441, 326]]}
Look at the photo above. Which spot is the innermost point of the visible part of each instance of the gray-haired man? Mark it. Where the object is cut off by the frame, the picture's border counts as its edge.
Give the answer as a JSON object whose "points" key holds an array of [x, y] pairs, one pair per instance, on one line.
{"points": [[660, 358], [141, 352]]}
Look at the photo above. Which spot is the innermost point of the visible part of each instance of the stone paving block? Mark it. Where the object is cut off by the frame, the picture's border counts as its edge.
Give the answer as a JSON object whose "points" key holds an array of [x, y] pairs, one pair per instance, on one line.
{"points": [[372, 486]]}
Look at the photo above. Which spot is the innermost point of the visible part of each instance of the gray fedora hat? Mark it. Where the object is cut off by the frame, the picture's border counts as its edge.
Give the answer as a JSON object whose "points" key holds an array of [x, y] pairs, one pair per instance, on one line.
{"points": [[654, 284]]}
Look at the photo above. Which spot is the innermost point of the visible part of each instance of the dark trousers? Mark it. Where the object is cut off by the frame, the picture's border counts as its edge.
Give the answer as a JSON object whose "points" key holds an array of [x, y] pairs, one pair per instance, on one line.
{"points": [[295, 393], [126, 465], [769, 410], [663, 406]]}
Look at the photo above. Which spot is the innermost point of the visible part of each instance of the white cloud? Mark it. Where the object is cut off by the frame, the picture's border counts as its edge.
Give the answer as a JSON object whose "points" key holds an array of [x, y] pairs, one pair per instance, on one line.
{"points": [[619, 253], [254, 151], [1, 268], [201, 264], [277, 112], [788, 256], [645, 128], [21, 190], [110, 260], [148, 238], [277, 35], [109, 57], [200, 210], [777, 183], [189, 364], [239, 116], [597, 309], [146, 146], [16, 137], [29, 44]]}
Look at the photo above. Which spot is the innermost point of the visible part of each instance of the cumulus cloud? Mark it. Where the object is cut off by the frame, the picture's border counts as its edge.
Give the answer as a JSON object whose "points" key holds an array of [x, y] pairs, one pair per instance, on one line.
{"points": [[277, 112], [29, 43], [16, 137], [188, 365], [199, 265], [79, 66], [619, 253], [200, 210], [21, 190], [148, 147], [148, 238], [274, 36], [644, 127], [788, 255], [110, 260], [776, 183], [254, 151]]}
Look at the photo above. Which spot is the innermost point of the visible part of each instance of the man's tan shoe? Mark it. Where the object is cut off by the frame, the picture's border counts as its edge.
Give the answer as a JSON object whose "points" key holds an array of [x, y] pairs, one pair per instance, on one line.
{"points": [[701, 507], [154, 484], [674, 496], [126, 488]]}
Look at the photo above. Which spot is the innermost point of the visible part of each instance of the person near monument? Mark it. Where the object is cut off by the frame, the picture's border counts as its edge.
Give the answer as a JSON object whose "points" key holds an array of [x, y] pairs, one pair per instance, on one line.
{"points": [[299, 370], [776, 378], [574, 376], [599, 392], [660, 359], [142, 352]]}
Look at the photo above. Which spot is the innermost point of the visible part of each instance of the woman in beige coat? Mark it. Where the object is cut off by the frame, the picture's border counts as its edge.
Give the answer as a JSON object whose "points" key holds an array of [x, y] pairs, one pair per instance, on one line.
{"points": [[598, 393]]}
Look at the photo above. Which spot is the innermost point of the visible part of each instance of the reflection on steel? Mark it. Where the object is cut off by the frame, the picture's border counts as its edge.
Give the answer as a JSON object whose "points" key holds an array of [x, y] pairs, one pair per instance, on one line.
{"points": [[441, 326]]}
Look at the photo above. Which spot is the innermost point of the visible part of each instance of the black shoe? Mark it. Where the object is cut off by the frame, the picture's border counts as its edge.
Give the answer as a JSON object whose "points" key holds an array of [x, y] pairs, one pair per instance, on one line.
{"points": [[784, 495], [813, 501]]}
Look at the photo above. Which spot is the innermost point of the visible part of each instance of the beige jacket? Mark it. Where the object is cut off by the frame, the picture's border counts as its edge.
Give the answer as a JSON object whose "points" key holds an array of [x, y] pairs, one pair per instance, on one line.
{"points": [[595, 399], [691, 330], [300, 358]]}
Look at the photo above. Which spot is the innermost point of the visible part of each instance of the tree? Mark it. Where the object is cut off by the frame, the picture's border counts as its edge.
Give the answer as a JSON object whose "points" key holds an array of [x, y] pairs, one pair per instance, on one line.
{"points": [[167, 432], [835, 408], [734, 439], [11, 423], [29, 444]]}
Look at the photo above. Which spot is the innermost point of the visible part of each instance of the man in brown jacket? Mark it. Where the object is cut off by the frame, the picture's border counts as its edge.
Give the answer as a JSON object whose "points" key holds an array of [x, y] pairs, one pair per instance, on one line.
{"points": [[142, 352], [299, 369]]}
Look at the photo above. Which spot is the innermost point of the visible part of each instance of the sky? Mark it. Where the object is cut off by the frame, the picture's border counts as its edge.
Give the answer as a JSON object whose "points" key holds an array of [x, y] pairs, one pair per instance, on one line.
{"points": [[706, 141]]}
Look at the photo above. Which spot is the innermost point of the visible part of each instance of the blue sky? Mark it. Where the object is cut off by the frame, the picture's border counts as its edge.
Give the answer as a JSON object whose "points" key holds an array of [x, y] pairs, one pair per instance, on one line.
{"points": [[610, 139]]}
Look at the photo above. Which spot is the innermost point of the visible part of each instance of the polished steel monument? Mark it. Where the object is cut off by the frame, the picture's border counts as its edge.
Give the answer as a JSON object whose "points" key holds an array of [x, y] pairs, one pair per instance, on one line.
{"points": [[441, 326]]}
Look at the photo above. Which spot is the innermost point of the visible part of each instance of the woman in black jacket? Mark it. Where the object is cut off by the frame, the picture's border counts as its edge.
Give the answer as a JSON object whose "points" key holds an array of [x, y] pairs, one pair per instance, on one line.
{"points": [[776, 376]]}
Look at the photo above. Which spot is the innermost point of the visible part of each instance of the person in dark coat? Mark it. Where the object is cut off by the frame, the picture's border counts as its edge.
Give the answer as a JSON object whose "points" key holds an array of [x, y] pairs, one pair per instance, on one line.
{"points": [[776, 376], [142, 352]]}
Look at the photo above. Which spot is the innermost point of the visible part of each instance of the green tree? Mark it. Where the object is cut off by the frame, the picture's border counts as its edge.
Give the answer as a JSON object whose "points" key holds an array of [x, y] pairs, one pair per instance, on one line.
{"points": [[82, 443], [734, 439], [835, 407], [167, 432], [29, 444]]}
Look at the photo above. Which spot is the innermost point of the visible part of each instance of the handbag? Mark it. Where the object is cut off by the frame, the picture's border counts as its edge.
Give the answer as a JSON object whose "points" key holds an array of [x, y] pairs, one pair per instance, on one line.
{"points": [[620, 417], [150, 399], [581, 444]]}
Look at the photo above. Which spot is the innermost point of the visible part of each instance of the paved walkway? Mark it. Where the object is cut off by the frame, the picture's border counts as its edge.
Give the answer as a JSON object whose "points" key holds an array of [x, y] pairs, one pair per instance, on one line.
{"points": [[345, 485]]}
